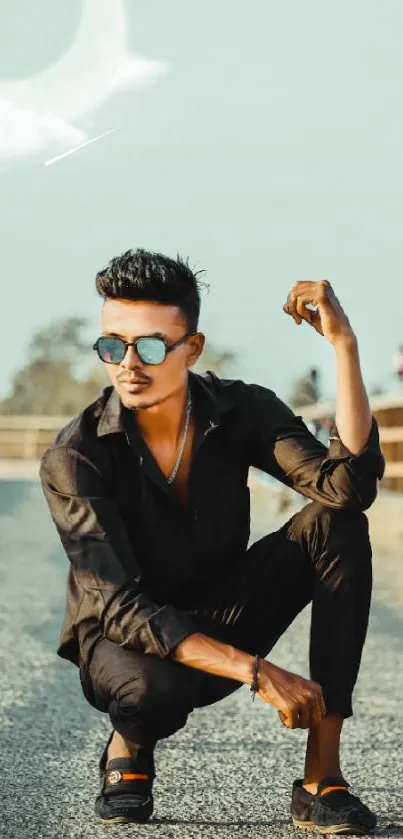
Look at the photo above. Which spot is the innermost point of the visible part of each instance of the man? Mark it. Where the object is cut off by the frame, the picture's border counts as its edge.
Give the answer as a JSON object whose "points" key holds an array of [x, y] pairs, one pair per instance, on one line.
{"points": [[305, 391], [167, 610], [398, 363]]}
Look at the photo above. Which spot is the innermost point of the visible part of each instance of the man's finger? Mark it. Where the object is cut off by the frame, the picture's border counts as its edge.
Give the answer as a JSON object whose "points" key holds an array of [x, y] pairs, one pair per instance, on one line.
{"points": [[303, 312], [303, 300], [318, 708], [312, 287], [316, 321], [305, 716], [289, 716], [291, 309], [286, 309]]}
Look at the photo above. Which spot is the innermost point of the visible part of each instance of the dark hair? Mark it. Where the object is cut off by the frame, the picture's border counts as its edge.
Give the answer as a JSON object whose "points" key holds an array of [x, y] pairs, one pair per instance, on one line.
{"points": [[142, 275]]}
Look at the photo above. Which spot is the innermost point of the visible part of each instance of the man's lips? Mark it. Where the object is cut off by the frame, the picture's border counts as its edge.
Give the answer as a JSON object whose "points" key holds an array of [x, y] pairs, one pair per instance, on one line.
{"points": [[133, 383]]}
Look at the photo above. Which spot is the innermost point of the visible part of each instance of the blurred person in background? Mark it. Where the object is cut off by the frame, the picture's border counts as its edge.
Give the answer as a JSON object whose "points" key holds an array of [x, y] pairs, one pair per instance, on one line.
{"points": [[305, 391], [167, 608], [398, 363]]}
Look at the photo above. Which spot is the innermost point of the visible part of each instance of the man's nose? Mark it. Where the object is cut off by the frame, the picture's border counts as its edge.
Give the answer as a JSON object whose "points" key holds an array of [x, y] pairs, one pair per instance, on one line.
{"points": [[131, 359]]}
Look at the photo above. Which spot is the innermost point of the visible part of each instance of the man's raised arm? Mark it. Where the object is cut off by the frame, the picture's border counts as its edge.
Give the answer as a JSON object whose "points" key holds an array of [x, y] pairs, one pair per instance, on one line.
{"points": [[346, 475]]}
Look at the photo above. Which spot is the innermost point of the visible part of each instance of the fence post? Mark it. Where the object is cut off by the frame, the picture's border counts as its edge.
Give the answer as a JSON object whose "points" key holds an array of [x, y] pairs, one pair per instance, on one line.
{"points": [[31, 438]]}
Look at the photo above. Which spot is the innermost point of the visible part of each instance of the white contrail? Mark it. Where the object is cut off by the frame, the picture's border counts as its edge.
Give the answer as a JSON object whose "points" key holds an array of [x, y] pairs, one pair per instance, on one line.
{"points": [[77, 148]]}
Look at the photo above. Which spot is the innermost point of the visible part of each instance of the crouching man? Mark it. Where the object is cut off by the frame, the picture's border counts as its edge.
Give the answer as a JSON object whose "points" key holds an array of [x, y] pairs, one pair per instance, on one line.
{"points": [[167, 609]]}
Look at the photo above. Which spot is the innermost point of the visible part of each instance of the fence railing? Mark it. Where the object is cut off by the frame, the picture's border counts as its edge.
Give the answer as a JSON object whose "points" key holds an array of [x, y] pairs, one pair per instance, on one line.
{"points": [[28, 437]]}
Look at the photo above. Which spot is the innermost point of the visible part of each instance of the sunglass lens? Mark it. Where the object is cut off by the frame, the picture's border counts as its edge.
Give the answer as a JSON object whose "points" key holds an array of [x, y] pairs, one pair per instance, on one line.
{"points": [[151, 350], [111, 350]]}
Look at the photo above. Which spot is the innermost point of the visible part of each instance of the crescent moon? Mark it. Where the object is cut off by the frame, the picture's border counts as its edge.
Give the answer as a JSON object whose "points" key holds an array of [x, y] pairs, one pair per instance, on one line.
{"points": [[82, 77]]}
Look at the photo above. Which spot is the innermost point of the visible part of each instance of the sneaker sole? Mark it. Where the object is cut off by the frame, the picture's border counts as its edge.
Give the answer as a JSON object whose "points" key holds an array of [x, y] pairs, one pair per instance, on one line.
{"points": [[340, 829], [141, 816], [123, 820]]}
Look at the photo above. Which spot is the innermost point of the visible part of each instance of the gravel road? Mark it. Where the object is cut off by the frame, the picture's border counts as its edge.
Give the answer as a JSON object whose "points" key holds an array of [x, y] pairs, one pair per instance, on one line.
{"points": [[228, 773]]}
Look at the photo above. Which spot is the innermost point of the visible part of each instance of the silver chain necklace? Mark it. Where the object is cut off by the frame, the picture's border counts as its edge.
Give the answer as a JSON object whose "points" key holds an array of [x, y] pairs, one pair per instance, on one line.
{"points": [[178, 462]]}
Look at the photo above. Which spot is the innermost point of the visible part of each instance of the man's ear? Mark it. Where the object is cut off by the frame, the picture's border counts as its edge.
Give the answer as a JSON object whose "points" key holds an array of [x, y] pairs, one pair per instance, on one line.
{"points": [[196, 346]]}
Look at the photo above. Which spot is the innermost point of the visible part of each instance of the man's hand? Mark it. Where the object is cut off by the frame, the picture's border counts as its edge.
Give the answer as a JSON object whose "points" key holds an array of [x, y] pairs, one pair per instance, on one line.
{"points": [[299, 701], [327, 316]]}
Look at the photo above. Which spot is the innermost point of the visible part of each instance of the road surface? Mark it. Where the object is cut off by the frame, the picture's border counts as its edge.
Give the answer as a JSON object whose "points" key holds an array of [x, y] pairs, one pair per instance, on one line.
{"points": [[227, 774]]}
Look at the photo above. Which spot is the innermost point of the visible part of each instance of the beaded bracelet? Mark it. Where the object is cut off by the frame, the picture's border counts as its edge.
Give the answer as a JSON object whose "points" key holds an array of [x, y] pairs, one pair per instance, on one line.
{"points": [[255, 684]]}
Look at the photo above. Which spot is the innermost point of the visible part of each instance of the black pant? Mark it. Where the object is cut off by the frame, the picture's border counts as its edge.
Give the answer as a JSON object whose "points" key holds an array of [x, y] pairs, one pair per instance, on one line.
{"points": [[320, 555]]}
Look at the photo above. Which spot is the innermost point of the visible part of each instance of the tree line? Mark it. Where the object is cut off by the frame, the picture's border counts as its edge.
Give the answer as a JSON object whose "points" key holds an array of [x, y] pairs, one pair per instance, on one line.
{"points": [[62, 375]]}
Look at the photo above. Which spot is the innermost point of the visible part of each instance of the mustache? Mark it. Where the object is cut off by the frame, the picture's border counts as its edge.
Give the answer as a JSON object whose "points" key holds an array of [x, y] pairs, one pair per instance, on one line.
{"points": [[143, 380]]}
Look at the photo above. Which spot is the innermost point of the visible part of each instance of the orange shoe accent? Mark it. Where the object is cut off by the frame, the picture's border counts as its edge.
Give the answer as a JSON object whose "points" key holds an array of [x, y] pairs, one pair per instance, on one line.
{"points": [[114, 776], [332, 789]]}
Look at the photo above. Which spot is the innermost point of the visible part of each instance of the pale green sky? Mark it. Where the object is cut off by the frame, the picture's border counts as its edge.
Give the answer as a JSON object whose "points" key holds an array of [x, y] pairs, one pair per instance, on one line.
{"points": [[271, 152]]}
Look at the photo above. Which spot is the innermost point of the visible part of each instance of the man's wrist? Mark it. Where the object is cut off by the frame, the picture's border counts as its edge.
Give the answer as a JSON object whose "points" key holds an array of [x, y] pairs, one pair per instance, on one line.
{"points": [[241, 665], [346, 343], [247, 666]]}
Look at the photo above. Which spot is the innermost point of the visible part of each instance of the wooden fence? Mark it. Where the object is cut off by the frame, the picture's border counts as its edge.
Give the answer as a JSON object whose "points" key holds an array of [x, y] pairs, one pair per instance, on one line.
{"points": [[27, 437]]}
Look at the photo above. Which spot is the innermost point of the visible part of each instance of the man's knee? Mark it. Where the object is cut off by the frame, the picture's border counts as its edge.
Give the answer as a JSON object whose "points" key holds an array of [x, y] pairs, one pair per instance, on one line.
{"points": [[151, 706], [326, 532], [315, 515]]}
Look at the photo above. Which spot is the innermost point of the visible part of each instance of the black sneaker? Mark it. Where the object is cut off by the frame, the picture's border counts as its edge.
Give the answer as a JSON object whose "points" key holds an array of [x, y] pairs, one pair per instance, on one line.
{"points": [[332, 810], [126, 788]]}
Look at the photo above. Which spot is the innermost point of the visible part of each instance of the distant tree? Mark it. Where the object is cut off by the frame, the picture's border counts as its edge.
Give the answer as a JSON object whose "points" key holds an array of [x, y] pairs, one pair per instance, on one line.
{"points": [[60, 341], [49, 383]]}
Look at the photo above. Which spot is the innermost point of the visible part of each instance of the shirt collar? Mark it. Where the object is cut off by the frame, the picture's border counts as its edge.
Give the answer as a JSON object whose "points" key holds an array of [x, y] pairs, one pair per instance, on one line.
{"points": [[209, 396], [111, 418]]}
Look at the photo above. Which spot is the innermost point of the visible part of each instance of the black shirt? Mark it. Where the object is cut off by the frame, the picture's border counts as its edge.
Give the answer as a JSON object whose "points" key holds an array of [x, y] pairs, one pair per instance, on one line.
{"points": [[138, 558]]}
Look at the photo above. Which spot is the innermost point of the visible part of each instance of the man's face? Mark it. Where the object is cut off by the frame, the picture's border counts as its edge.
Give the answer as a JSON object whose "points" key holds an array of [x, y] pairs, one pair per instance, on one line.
{"points": [[143, 385]]}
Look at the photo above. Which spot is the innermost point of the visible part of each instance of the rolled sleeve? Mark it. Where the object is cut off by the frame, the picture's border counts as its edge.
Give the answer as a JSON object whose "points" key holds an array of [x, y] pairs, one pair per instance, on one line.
{"points": [[282, 446], [365, 468], [370, 459], [168, 628]]}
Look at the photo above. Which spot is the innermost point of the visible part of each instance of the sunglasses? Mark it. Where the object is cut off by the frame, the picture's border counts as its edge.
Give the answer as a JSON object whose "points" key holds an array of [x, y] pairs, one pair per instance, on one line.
{"points": [[149, 349]]}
